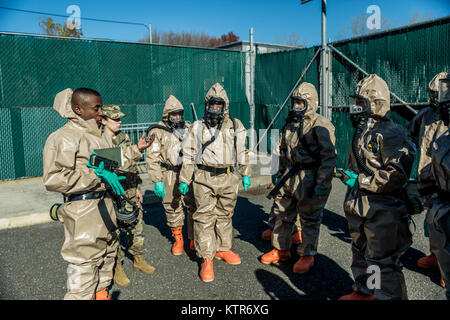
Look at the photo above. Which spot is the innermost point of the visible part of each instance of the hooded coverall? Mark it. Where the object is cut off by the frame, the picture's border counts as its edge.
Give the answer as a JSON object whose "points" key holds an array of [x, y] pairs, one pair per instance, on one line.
{"points": [[313, 149], [90, 247], [164, 159], [215, 193], [423, 129], [439, 217], [375, 209]]}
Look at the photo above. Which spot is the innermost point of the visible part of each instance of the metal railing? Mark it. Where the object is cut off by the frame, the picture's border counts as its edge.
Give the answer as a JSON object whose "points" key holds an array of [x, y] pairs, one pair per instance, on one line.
{"points": [[135, 131]]}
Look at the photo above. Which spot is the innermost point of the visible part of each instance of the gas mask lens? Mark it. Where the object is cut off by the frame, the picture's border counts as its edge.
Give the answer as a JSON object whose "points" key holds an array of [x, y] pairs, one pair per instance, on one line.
{"points": [[216, 105], [444, 93], [176, 118], [357, 105], [298, 104]]}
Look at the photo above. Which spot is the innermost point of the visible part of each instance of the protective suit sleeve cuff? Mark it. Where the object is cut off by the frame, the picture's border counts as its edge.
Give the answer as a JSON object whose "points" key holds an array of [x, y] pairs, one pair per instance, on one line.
{"points": [[137, 155]]}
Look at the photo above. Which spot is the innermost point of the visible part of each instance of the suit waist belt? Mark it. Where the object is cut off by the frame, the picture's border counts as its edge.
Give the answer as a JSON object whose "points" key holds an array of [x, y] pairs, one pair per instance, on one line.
{"points": [[215, 170], [169, 167], [85, 196]]}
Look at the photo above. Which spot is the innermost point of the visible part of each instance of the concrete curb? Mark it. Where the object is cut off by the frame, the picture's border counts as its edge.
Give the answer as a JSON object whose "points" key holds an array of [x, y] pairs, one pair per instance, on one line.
{"points": [[39, 218]]}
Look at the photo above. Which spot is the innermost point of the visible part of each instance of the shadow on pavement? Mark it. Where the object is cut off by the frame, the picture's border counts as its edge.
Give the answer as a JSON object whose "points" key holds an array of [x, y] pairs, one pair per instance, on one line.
{"points": [[409, 260], [325, 281], [338, 223], [248, 220]]}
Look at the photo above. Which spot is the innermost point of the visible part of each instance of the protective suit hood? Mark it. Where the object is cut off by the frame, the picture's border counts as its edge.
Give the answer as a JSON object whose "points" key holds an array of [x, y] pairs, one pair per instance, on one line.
{"points": [[218, 91], [433, 85], [377, 92], [63, 104], [172, 104], [308, 92]]}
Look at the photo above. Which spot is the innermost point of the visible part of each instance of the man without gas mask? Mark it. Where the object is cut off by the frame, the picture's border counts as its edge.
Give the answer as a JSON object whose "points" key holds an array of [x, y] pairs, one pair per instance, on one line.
{"points": [[439, 217], [423, 130], [214, 144], [379, 161], [306, 146], [164, 161], [111, 123], [88, 215]]}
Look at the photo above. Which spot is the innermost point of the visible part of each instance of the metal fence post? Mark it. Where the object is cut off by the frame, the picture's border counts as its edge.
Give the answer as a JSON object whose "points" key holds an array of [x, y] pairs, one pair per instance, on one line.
{"points": [[251, 91]]}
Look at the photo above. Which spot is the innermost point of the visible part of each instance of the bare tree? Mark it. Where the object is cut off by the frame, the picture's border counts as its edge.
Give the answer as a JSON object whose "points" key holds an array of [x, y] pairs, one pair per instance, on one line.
{"points": [[417, 17], [193, 39], [293, 39], [358, 26]]}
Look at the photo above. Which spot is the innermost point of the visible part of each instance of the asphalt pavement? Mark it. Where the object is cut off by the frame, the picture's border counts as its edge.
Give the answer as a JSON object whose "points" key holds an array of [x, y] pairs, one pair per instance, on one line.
{"points": [[32, 268]]}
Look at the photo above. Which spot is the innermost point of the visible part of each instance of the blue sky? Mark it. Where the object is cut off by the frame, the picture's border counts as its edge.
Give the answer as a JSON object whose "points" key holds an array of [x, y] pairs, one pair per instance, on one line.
{"points": [[270, 19]]}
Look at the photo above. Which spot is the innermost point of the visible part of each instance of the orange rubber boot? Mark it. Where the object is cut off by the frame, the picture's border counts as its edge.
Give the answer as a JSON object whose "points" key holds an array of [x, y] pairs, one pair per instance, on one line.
{"points": [[228, 256], [102, 295], [275, 255], [177, 247], [442, 283], [356, 296], [428, 262], [303, 264], [207, 270], [297, 237], [267, 234]]}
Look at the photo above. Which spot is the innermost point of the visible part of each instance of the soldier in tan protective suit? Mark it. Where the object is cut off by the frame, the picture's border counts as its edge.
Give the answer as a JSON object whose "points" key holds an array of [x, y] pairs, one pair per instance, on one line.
{"points": [[164, 159], [439, 217], [379, 162], [135, 237], [88, 215], [423, 130], [214, 144], [306, 146]]}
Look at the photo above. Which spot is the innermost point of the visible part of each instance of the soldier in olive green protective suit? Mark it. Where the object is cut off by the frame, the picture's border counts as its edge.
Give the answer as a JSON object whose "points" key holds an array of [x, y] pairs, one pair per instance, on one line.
{"points": [[439, 217], [423, 130], [307, 142], [380, 160]]}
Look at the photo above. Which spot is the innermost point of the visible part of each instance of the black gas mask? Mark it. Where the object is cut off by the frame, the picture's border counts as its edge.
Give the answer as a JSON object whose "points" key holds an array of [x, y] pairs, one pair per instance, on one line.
{"points": [[444, 100], [297, 109], [433, 100], [359, 110], [178, 123], [214, 111]]}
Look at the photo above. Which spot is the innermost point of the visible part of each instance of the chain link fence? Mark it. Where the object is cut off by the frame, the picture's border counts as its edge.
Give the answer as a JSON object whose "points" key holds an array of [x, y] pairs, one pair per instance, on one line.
{"points": [[139, 77], [406, 58]]}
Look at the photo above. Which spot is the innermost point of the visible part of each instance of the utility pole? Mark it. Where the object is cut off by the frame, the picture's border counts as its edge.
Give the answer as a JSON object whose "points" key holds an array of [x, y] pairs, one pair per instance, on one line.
{"points": [[251, 93], [324, 65]]}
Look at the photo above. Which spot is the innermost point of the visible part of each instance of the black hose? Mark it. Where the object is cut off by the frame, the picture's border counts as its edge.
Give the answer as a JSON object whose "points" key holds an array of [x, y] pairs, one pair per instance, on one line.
{"points": [[361, 165]]}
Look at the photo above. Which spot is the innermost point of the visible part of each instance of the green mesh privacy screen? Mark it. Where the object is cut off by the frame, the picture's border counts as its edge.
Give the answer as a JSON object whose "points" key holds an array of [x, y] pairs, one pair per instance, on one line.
{"points": [[407, 59], [139, 77]]}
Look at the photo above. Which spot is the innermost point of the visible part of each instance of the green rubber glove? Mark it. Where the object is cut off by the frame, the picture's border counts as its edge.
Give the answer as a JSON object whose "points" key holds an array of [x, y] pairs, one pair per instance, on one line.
{"points": [[184, 188], [160, 189], [109, 177], [320, 192], [246, 182], [353, 181]]}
